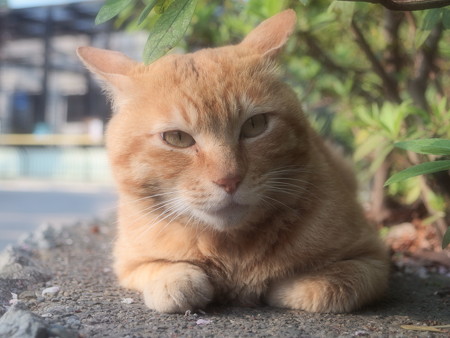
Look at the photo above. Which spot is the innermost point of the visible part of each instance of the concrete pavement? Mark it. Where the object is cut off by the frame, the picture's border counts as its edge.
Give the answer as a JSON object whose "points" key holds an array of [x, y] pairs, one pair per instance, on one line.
{"points": [[25, 205], [84, 300]]}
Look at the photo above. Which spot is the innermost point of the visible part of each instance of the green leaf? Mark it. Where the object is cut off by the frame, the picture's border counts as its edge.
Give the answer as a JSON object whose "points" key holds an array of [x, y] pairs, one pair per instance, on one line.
{"points": [[420, 169], [429, 21], [433, 218], [373, 141], [273, 6], [431, 18], [304, 2], [168, 29], [266, 8], [344, 10], [367, 116], [421, 36], [146, 11], [446, 239], [446, 18], [162, 5], [387, 117], [380, 158], [110, 9], [434, 146]]}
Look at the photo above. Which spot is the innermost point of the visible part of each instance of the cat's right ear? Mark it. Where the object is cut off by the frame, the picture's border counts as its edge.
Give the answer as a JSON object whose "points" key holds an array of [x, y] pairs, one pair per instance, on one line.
{"points": [[112, 67]]}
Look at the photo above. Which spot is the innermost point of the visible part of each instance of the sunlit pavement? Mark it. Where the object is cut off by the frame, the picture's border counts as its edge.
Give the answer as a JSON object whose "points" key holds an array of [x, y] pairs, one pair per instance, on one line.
{"points": [[25, 205]]}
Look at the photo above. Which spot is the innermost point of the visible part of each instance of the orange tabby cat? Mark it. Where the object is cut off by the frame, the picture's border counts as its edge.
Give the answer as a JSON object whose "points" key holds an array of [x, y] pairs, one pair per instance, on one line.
{"points": [[226, 193]]}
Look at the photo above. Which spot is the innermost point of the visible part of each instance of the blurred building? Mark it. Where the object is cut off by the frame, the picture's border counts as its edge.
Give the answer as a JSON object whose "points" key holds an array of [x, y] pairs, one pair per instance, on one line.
{"points": [[44, 89], [52, 113]]}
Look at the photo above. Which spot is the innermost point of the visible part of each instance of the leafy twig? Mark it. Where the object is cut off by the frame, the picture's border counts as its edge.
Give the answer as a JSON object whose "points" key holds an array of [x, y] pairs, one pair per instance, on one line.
{"points": [[173, 19], [169, 28]]}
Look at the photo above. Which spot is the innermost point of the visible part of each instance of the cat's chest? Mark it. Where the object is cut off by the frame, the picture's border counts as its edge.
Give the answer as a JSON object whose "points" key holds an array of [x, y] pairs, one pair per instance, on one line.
{"points": [[241, 271]]}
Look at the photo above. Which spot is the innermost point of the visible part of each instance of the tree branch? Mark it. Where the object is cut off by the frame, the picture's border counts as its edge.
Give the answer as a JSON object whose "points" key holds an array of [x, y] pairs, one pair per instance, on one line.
{"points": [[423, 66], [407, 5], [393, 55], [317, 52], [390, 86]]}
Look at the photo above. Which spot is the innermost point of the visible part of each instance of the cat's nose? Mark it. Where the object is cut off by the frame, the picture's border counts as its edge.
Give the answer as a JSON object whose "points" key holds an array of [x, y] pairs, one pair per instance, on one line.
{"points": [[229, 183]]}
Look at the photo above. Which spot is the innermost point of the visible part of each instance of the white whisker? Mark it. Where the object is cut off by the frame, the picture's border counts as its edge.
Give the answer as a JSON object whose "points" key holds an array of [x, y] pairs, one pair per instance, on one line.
{"points": [[275, 200], [169, 209], [175, 214], [152, 208]]}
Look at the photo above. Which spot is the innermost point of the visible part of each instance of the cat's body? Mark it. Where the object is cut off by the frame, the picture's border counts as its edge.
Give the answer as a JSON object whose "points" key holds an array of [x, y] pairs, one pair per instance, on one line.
{"points": [[226, 192]]}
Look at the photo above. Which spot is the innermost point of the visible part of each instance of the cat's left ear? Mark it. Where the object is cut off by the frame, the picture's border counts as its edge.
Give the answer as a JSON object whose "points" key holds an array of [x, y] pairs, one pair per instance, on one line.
{"points": [[270, 36]]}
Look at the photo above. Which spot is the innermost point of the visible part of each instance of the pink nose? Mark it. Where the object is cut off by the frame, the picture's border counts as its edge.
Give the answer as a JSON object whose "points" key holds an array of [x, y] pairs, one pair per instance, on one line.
{"points": [[229, 183]]}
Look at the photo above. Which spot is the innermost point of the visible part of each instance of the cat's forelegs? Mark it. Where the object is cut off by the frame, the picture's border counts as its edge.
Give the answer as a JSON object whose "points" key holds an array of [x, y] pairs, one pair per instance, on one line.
{"points": [[170, 287], [340, 287]]}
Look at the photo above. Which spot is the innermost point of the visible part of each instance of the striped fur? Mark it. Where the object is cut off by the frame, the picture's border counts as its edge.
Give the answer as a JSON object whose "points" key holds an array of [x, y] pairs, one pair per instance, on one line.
{"points": [[289, 233]]}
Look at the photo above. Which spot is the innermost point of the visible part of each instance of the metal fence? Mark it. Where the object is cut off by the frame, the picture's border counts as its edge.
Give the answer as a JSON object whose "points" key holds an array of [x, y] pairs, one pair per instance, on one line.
{"points": [[66, 163]]}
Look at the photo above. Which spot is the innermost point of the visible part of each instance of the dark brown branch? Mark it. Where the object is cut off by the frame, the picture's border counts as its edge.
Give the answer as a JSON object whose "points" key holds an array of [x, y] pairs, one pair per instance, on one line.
{"points": [[390, 86], [423, 66], [407, 5], [317, 52], [379, 212], [393, 55]]}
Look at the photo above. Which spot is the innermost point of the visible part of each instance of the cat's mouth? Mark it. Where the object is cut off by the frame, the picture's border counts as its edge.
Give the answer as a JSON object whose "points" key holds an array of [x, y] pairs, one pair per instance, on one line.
{"points": [[229, 215], [229, 209]]}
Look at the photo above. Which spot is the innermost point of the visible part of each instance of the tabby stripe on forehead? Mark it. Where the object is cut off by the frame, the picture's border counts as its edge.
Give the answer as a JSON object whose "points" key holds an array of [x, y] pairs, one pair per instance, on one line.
{"points": [[194, 68], [192, 102], [222, 115]]}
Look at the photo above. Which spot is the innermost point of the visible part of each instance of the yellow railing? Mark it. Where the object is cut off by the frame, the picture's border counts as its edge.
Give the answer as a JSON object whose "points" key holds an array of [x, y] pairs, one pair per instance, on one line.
{"points": [[49, 140]]}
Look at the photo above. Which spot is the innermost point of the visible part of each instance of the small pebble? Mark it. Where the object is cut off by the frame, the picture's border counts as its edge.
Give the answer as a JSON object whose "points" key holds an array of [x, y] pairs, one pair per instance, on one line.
{"points": [[50, 291], [27, 295], [203, 321], [14, 299]]}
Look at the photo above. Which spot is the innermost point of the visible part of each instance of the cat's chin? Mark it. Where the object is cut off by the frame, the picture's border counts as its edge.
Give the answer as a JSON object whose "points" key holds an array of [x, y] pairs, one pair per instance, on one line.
{"points": [[231, 216]]}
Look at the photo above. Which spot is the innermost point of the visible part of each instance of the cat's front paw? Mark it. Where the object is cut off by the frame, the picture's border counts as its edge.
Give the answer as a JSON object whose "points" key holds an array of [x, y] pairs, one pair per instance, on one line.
{"points": [[342, 287], [308, 295], [178, 288]]}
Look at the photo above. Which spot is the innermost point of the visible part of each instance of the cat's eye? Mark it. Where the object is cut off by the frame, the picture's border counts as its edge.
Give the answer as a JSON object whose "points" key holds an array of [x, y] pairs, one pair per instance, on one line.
{"points": [[254, 126], [178, 139]]}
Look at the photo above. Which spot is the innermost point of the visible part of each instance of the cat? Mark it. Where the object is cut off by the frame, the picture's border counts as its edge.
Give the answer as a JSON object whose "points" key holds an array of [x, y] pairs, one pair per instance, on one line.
{"points": [[226, 193]]}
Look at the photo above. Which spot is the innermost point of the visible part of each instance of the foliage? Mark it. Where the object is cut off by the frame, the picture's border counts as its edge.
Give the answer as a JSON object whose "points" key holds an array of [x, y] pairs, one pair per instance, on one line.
{"points": [[419, 169], [370, 78], [426, 146], [173, 18], [169, 28]]}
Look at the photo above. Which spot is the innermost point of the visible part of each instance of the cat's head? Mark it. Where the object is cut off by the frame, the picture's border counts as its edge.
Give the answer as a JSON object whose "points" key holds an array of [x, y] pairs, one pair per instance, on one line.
{"points": [[213, 137]]}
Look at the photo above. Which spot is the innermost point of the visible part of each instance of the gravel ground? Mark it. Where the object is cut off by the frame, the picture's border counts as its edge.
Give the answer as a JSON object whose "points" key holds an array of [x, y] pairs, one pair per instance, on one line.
{"points": [[62, 282]]}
